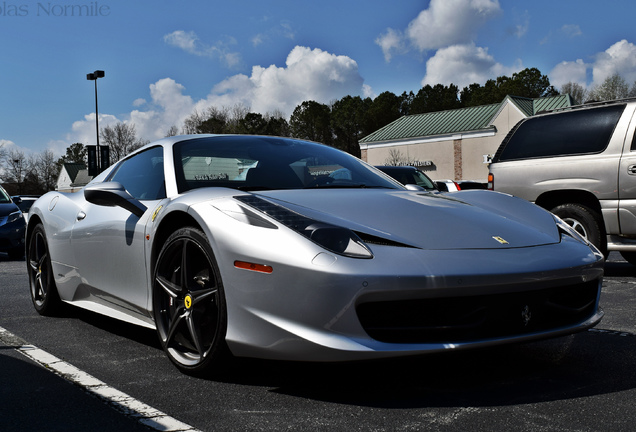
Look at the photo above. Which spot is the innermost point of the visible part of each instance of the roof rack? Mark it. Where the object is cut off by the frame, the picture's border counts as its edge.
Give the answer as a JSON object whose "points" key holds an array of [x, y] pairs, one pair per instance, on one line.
{"points": [[592, 104]]}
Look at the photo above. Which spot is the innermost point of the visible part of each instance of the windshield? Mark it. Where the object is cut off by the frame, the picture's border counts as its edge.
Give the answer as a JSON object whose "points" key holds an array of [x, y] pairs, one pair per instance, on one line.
{"points": [[4, 197], [264, 163]]}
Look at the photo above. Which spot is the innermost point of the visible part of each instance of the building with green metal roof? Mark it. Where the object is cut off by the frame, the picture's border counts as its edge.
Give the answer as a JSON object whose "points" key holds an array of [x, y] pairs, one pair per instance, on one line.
{"points": [[456, 144], [73, 177]]}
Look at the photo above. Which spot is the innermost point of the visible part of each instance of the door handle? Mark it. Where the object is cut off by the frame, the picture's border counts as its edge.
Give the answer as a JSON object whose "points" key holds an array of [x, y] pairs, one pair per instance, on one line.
{"points": [[631, 170], [81, 215]]}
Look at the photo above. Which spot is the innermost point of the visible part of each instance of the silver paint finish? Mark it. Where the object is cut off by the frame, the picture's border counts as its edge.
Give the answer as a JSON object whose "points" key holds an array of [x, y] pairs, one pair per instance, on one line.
{"points": [[305, 309]]}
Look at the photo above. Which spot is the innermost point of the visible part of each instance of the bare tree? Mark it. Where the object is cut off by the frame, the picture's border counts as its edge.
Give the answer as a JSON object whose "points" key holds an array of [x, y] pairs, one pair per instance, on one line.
{"points": [[614, 87], [47, 170], [236, 114], [215, 120], [173, 131], [576, 90], [16, 167], [121, 138], [191, 124], [3, 153], [396, 158]]}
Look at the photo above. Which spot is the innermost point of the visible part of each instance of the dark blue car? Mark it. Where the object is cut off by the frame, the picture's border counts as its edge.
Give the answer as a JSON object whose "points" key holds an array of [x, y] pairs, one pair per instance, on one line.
{"points": [[12, 227]]}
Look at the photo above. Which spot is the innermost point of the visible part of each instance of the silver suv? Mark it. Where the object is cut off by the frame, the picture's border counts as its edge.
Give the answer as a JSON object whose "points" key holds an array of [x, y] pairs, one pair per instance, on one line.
{"points": [[579, 163]]}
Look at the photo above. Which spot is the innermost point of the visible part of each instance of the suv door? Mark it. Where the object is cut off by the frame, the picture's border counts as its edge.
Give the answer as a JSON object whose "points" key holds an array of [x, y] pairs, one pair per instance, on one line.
{"points": [[627, 176]]}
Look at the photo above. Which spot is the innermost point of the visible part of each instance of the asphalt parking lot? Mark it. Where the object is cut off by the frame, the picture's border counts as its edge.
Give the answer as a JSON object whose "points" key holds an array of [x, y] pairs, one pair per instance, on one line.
{"points": [[584, 382]]}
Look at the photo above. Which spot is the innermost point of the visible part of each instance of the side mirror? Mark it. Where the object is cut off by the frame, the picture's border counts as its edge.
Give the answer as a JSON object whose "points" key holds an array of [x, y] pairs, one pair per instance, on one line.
{"points": [[113, 194], [414, 187]]}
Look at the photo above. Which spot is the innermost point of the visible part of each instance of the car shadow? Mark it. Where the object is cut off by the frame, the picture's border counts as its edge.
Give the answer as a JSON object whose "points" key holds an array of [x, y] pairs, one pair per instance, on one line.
{"points": [[142, 335], [587, 364], [619, 269], [5, 257]]}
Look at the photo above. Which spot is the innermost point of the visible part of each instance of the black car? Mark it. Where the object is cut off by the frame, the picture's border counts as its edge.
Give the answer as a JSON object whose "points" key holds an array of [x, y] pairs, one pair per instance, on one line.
{"points": [[12, 227], [409, 175]]}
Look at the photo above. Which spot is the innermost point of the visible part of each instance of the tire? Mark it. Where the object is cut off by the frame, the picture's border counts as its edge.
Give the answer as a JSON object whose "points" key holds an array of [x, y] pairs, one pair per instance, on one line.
{"points": [[189, 303], [44, 295], [585, 221]]}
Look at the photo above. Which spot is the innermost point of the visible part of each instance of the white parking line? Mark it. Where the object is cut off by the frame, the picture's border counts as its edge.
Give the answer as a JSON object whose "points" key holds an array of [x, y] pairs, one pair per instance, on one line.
{"points": [[119, 401]]}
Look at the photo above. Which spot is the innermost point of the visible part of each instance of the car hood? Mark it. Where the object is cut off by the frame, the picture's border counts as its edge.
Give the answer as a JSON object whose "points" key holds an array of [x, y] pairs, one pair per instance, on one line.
{"points": [[7, 208], [473, 219]]}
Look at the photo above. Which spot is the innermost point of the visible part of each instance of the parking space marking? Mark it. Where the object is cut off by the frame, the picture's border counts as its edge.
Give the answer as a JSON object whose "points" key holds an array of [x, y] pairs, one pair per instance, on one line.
{"points": [[125, 404]]}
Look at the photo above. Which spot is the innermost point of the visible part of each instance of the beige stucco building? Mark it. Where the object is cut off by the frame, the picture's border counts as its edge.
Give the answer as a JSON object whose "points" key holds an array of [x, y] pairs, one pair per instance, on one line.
{"points": [[454, 144]]}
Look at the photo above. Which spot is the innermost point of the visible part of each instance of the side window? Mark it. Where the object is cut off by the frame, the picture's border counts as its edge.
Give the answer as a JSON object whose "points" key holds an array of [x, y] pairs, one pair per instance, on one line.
{"points": [[142, 175], [584, 131]]}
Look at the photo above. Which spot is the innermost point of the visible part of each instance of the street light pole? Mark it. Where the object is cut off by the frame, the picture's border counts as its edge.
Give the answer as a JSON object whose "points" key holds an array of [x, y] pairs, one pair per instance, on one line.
{"points": [[93, 77]]}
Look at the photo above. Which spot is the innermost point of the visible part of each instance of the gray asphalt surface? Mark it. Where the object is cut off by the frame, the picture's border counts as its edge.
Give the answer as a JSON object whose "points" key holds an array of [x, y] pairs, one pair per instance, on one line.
{"points": [[585, 382]]}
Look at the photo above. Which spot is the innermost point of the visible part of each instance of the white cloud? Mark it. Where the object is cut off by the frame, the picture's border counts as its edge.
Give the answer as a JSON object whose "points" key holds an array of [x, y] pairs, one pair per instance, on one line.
{"points": [[390, 42], [444, 23], [367, 92], [450, 22], [190, 43], [308, 75], [521, 29], [284, 30], [6, 143], [463, 65], [620, 59], [571, 30], [83, 131], [187, 41], [566, 72], [258, 40]]}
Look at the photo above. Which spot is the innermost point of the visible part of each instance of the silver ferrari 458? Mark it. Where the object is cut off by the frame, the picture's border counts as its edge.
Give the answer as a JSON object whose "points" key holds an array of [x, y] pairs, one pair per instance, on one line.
{"points": [[286, 249]]}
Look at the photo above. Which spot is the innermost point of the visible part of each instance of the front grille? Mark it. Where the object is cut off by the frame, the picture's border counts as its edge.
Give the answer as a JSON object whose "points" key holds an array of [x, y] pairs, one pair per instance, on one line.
{"points": [[466, 319]]}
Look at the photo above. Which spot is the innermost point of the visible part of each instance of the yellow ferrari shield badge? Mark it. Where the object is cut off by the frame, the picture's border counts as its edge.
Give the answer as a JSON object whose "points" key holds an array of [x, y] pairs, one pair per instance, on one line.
{"points": [[500, 240], [156, 212], [188, 301]]}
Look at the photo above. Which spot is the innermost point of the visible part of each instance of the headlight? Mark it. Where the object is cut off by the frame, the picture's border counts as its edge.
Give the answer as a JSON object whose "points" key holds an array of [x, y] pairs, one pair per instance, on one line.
{"points": [[337, 239], [14, 216], [334, 238]]}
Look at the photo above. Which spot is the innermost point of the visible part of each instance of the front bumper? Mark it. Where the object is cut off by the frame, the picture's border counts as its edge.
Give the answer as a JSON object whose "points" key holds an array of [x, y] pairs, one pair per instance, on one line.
{"points": [[407, 302]]}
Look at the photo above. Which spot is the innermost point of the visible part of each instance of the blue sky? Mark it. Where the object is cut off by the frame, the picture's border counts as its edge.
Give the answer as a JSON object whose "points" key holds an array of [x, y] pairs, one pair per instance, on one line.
{"points": [[165, 59]]}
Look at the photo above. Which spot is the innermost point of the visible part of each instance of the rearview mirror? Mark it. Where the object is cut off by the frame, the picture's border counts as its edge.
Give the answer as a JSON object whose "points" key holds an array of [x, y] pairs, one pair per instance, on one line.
{"points": [[113, 194]]}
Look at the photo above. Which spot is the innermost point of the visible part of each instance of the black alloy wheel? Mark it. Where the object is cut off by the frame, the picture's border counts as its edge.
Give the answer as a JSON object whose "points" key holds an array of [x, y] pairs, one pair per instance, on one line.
{"points": [[188, 303], [42, 285]]}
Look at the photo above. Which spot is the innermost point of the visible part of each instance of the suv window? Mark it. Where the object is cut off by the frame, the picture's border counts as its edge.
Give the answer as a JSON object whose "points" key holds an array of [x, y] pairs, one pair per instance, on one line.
{"points": [[142, 175], [568, 133]]}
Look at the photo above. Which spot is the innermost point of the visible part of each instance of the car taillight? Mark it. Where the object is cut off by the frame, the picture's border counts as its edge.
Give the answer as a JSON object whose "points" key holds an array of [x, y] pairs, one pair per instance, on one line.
{"points": [[491, 181]]}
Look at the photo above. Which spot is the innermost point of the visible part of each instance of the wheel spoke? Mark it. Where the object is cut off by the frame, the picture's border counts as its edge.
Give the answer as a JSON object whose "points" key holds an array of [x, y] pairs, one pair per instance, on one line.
{"points": [[174, 322], [170, 288], [195, 334], [184, 264], [204, 294], [34, 265]]}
